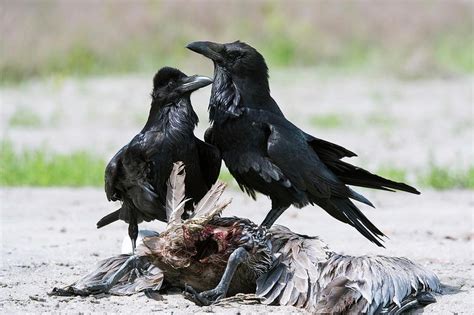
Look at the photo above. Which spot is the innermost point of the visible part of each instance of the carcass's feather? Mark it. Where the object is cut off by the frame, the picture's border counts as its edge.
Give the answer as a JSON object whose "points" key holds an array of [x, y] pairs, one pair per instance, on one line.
{"points": [[293, 277], [208, 204], [175, 194], [307, 274], [151, 277], [380, 280]]}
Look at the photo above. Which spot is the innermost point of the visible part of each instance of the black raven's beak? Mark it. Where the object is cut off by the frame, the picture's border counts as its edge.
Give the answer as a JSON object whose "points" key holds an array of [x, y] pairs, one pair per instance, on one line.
{"points": [[193, 83], [210, 50]]}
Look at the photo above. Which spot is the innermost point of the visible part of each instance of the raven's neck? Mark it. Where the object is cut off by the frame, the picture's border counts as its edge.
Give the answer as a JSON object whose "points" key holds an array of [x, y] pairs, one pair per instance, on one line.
{"points": [[179, 117], [231, 96]]}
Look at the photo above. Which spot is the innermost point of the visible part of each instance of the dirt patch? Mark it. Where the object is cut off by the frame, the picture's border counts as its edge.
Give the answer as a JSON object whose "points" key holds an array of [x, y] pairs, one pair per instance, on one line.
{"points": [[49, 239]]}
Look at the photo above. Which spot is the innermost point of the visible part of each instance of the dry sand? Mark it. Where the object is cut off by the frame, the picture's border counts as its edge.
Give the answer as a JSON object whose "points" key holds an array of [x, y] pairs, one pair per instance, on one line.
{"points": [[49, 239]]}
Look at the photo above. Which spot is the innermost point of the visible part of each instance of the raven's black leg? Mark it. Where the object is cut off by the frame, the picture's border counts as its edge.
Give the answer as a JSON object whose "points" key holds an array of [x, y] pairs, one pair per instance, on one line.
{"points": [[212, 296], [105, 285], [133, 231], [272, 216]]}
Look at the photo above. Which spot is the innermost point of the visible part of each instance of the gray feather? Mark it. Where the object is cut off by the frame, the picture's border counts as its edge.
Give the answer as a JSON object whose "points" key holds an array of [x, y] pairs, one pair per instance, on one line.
{"points": [[151, 277], [320, 280], [208, 203], [175, 194]]}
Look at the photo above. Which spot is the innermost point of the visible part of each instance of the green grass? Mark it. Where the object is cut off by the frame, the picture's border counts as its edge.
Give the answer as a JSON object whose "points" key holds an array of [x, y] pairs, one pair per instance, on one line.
{"points": [[227, 178], [435, 177], [345, 36], [327, 121], [40, 167], [380, 119], [454, 56], [395, 174], [24, 117], [443, 178], [82, 61], [456, 53]]}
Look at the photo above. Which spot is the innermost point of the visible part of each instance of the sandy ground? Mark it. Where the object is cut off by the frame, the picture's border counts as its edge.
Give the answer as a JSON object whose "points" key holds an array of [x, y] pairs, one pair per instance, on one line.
{"points": [[49, 239]]}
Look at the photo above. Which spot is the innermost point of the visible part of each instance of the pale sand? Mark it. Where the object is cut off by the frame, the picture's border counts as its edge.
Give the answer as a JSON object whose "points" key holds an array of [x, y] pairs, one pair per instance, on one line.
{"points": [[49, 239]]}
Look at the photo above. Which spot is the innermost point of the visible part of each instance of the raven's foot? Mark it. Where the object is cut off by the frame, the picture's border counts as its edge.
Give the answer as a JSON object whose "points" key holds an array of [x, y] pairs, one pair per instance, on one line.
{"points": [[204, 298]]}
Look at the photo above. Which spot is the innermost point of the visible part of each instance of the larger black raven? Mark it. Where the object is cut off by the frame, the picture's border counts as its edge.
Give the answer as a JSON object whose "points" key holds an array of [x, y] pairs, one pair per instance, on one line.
{"points": [[267, 153], [138, 173]]}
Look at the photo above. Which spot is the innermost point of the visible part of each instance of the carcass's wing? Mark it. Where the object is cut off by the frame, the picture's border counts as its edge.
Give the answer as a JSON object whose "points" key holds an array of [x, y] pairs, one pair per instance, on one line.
{"points": [[369, 283], [151, 277], [292, 280]]}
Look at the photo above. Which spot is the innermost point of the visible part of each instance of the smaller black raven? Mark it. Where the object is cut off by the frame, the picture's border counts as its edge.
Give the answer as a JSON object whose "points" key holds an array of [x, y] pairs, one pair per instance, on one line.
{"points": [[138, 173], [266, 153]]}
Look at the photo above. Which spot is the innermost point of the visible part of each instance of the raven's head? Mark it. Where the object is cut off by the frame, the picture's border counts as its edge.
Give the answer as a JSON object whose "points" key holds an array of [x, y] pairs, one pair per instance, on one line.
{"points": [[240, 75], [237, 58], [170, 85]]}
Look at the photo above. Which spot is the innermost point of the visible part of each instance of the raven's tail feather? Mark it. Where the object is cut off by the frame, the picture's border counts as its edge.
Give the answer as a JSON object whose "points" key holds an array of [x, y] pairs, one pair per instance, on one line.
{"points": [[109, 218], [344, 210], [356, 196], [356, 176]]}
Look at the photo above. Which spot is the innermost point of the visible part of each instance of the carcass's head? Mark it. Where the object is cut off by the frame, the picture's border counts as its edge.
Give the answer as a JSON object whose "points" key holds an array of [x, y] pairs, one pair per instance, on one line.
{"points": [[205, 239], [196, 238]]}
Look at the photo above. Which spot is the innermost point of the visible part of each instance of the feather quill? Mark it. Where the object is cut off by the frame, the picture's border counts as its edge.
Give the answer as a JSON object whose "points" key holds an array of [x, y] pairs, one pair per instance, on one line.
{"points": [[175, 194]]}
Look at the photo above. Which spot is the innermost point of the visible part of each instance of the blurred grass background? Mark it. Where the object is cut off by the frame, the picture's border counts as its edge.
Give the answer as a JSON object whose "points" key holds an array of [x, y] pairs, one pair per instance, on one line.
{"points": [[409, 39], [421, 39], [42, 167]]}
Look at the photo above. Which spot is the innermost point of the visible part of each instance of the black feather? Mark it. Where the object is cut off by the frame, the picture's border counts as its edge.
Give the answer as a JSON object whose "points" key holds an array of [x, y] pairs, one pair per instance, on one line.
{"points": [[109, 218]]}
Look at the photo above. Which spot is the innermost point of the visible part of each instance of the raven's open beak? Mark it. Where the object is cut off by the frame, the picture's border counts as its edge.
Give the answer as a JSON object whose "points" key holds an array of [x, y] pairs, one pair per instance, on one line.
{"points": [[208, 49], [194, 83]]}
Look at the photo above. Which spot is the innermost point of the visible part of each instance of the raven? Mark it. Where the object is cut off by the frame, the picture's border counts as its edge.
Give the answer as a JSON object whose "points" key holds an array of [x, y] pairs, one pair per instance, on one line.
{"points": [[137, 174], [266, 153]]}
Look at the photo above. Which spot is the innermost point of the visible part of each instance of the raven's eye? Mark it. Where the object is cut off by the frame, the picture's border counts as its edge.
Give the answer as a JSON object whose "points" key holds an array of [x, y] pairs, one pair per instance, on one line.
{"points": [[234, 54]]}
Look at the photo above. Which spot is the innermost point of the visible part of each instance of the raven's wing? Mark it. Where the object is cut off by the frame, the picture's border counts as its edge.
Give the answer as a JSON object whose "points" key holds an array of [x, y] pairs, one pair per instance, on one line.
{"points": [[209, 160], [331, 154], [292, 280], [112, 173], [140, 168], [288, 149], [327, 150]]}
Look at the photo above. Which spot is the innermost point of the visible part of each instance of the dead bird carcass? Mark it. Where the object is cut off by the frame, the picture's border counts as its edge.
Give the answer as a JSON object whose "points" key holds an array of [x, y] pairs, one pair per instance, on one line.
{"points": [[211, 257]]}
